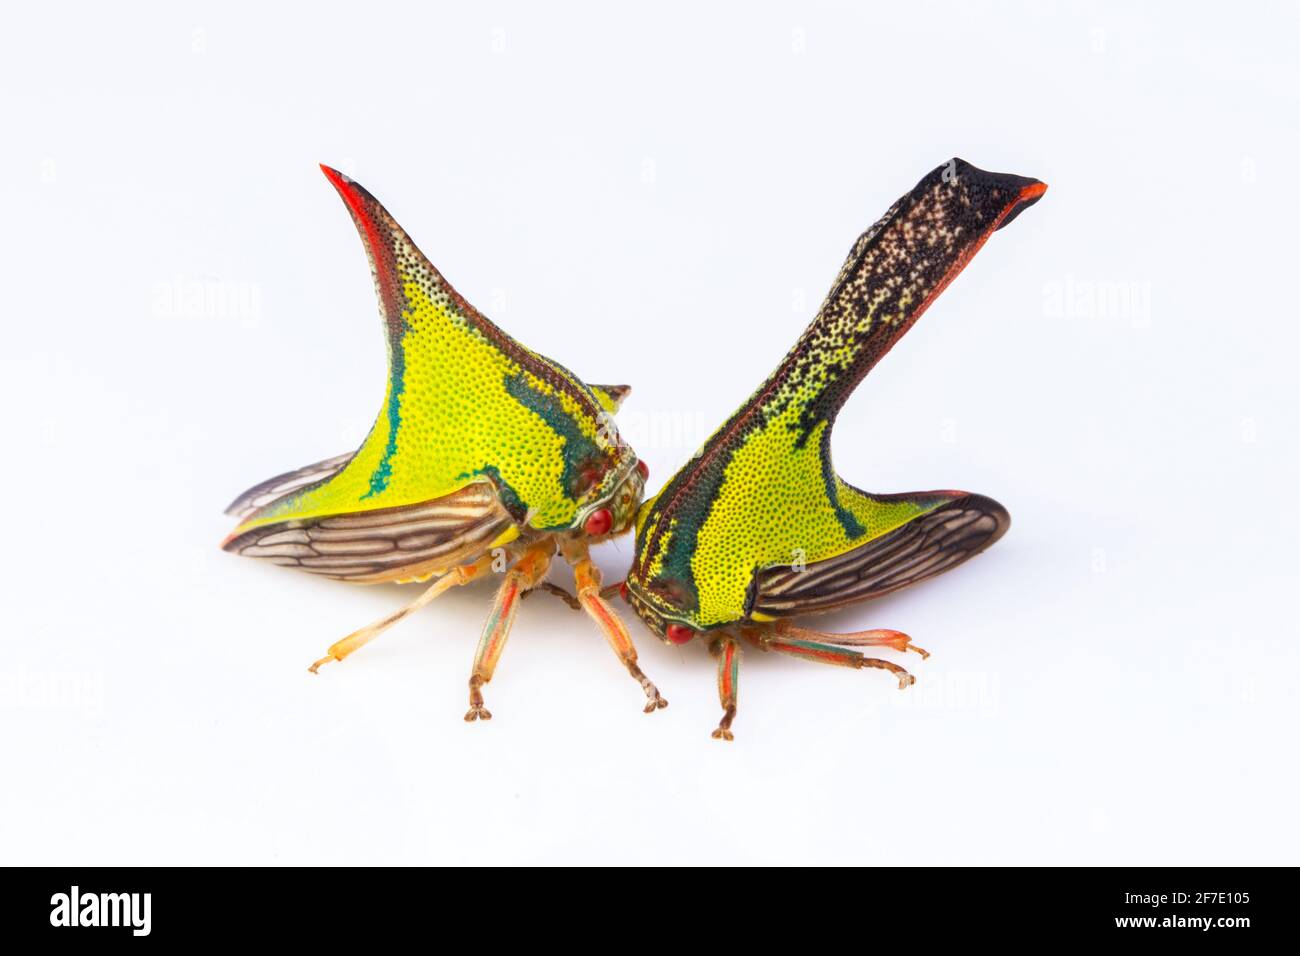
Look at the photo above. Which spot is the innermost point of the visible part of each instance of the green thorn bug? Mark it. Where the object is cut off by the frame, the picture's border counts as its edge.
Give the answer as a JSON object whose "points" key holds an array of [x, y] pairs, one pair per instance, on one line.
{"points": [[482, 450], [758, 528]]}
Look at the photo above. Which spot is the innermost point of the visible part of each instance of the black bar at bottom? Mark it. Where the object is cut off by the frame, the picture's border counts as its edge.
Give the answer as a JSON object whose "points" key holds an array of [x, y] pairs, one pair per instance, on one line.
{"points": [[1225, 905]]}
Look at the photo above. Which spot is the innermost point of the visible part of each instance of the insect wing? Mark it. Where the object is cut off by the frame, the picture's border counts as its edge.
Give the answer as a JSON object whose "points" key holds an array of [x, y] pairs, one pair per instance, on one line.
{"points": [[928, 545], [273, 489], [392, 544]]}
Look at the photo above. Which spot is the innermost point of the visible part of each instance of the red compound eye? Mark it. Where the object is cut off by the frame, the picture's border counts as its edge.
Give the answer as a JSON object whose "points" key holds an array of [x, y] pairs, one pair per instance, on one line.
{"points": [[622, 591], [599, 522], [644, 469], [678, 633]]}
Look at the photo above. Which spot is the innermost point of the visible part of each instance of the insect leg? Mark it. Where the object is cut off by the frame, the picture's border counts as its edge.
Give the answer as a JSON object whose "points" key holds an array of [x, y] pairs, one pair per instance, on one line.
{"points": [[521, 578], [587, 578], [877, 638], [825, 653], [727, 650], [559, 592], [453, 578]]}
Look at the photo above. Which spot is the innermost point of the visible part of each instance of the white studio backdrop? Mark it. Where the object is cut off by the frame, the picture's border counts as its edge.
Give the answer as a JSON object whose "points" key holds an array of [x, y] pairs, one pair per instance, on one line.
{"points": [[658, 195]]}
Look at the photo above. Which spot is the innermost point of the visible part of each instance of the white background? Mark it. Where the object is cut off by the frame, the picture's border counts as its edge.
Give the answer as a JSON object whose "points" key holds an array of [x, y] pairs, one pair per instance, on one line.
{"points": [[660, 197]]}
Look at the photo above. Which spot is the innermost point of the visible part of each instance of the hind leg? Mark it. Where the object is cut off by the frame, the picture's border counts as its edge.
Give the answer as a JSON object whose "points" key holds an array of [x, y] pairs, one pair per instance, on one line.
{"points": [[874, 638], [796, 642], [357, 639]]}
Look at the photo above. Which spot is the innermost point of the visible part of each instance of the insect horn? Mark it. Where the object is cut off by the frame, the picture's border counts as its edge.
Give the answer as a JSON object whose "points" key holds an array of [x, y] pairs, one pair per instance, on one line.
{"points": [[885, 285]]}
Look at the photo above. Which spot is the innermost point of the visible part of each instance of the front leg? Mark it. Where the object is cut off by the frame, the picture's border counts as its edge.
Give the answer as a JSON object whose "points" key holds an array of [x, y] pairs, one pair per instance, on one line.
{"points": [[727, 651], [587, 579], [522, 577]]}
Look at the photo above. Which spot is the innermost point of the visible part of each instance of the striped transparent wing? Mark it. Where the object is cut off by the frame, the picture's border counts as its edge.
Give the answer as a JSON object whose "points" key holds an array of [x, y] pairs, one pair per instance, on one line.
{"points": [[920, 549], [393, 544], [273, 489]]}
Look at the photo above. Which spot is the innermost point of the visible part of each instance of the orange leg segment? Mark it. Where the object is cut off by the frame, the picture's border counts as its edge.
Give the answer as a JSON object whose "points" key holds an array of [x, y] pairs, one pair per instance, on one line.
{"points": [[727, 651], [796, 643], [357, 639], [522, 577], [587, 578]]}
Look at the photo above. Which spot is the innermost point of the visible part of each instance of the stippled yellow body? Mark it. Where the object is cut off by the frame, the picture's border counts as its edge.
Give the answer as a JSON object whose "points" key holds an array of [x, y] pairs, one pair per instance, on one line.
{"points": [[762, 497], [763, 517], [464, 403]]}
